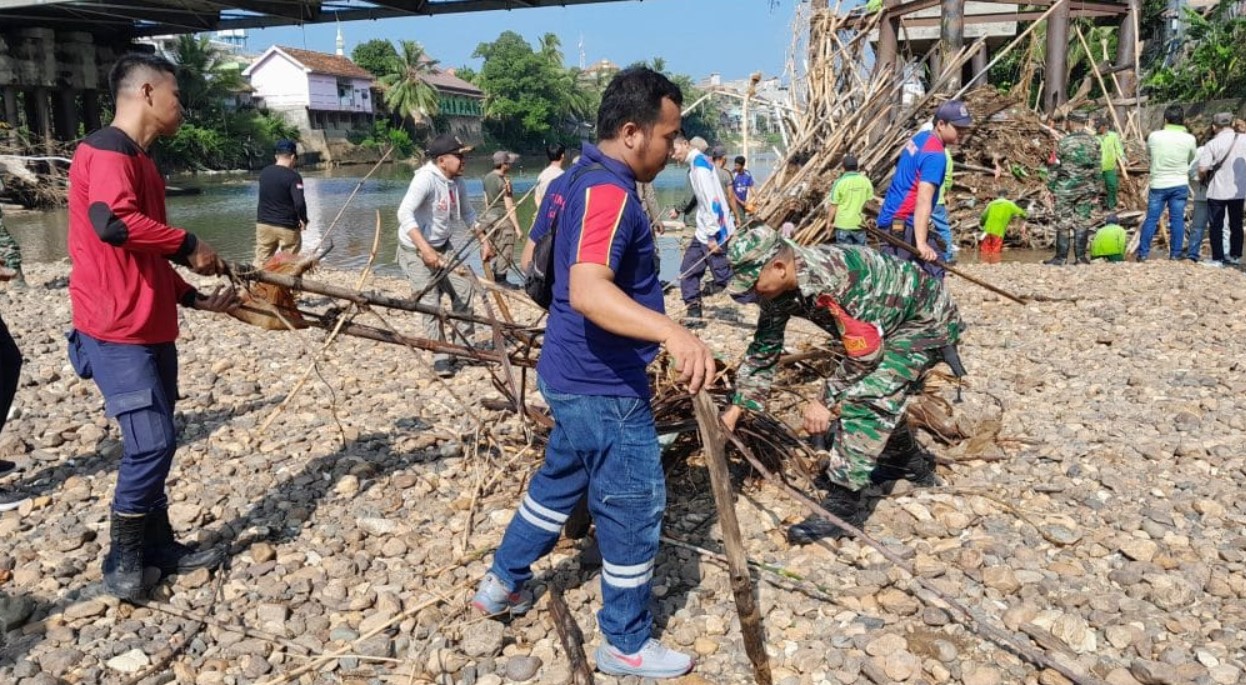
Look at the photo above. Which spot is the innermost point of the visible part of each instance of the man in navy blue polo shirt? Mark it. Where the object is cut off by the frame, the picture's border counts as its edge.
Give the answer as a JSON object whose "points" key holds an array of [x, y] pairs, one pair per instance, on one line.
{"points": [[910, 199], [606, 324]]}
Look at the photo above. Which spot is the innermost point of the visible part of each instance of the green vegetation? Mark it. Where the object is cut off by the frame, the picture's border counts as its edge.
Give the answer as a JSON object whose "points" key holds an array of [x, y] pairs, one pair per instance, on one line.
{"points": [[217, 132], [1212, 64], [406, 92], [381, 136]]}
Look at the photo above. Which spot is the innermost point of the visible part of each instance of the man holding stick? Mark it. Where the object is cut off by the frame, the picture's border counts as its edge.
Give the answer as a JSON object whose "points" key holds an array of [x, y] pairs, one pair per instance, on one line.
{"points": [[435, 201], [920, 172], [124, 295], [606, 324], [890, 321]]}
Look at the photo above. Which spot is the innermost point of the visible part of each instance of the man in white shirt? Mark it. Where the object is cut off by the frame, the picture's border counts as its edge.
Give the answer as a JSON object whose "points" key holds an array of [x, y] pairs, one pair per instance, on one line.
{"points": [[1172, 149], [1222, 169], [435, 203], [714, 227], [556, 153]]}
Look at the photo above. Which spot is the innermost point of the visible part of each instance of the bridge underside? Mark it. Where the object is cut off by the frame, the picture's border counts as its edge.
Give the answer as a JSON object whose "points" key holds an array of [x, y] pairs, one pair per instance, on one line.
{"points": [[136, 18]]}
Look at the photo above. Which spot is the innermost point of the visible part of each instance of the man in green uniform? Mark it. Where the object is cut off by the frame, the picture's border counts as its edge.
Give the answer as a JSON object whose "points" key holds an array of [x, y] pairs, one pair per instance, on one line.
{"points": [[891, 323], [1110, 241], [10, 252], [1074, 168], [1110, 150], [849, 195], [500, 221]]}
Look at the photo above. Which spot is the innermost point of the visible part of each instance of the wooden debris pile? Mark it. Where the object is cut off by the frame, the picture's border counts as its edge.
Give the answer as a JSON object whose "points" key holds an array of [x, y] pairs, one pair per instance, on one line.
{"points": [[849, 110]]}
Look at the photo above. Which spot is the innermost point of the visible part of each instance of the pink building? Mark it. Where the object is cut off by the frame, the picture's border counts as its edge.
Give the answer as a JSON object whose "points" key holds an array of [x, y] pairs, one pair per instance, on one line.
{"points": [[318, 92]]}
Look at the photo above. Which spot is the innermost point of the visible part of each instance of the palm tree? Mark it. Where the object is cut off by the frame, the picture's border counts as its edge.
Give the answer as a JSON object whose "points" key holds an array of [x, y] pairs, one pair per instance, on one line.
{"points": [[659, 64], [551, 50], [204, 77], [406, 91]]}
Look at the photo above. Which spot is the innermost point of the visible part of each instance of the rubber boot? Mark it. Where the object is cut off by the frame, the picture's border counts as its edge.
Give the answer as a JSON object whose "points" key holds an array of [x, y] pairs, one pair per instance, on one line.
{"points": [[1062, 249], [1080, 238], [692, 319], [123, 566], [848, 505], [904, 457], [163, 551]]}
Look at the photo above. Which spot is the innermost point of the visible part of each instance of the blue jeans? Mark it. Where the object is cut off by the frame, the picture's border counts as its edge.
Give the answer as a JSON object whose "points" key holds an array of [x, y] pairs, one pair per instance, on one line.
{"points": [[1174, 198], [943, 228], [844, 237], [139, 384], [697, 258], [1198, 225], [607, 447], [906, 232]]}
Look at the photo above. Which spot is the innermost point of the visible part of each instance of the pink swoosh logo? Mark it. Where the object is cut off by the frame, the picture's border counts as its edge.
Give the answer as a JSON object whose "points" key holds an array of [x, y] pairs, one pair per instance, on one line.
{"points": [[633, 661]]}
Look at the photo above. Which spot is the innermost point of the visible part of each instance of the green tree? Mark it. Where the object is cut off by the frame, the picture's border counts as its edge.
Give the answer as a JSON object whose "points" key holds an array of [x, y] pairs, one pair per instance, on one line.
{"points": [[1213, 64], [524, 91], [204, 77], [406, 91], [377, 56], [467, 74]]}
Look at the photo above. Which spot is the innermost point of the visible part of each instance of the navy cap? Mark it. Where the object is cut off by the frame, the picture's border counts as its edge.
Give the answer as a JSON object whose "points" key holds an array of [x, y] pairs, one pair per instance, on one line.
{"points": [[285, 146], [955, 113]]}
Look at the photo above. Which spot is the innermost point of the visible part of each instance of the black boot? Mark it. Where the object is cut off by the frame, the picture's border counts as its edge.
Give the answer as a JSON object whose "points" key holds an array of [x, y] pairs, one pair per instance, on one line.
{"points": [[904, 457], [163, 551], [123, 566], [848, 505], [692, 318], [1062, 249], [1080, 237]]}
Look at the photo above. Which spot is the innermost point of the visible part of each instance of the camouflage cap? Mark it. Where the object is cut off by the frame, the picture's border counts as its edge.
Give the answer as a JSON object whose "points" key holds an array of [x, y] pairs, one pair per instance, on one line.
{"points": [[748, 253]]}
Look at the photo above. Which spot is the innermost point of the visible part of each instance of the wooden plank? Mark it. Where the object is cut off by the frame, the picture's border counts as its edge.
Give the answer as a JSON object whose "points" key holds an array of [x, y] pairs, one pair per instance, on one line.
{"points": [[715, 445]]}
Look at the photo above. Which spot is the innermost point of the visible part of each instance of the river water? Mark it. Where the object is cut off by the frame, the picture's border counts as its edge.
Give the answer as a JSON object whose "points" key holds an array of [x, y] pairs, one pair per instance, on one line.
{"points": [[224, 213]]}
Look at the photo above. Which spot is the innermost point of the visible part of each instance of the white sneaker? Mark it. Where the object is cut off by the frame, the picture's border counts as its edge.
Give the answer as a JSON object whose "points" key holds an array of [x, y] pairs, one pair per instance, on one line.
{"points": [[1211, 263], [654, 660]]}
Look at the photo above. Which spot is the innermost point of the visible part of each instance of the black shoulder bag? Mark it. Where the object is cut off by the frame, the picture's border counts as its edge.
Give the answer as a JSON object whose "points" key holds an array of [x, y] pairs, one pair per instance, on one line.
{"points": [[539, 281]]}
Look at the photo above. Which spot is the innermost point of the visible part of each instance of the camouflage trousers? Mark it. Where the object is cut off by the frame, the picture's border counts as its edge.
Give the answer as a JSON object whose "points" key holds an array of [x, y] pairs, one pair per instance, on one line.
{"points": [[869, 411], [1073, 212], [10, 252]]}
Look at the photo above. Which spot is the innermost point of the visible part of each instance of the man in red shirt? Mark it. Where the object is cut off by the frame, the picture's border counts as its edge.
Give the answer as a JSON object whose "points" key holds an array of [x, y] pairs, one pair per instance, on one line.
{"points": [[125, 294]]}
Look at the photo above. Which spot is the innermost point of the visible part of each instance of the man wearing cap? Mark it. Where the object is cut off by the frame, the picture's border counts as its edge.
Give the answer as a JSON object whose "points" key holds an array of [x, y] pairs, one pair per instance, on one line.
{"points": [[889, 321], [1172, 149], [914, 189], [714, 227], [281, 214], [500, 221], [1222, 169], [1110, 241], [1111, 152], [1074, 170], [435, 203], [848, 197]]}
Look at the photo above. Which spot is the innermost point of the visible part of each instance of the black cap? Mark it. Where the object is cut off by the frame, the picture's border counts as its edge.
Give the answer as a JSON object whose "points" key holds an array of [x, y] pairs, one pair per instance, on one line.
{"points": [[446, 144], [285, 146], [850, 162]]}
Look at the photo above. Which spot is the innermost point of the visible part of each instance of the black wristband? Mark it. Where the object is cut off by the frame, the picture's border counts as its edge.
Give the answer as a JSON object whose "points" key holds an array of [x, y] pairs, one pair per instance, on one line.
{"points": [[190, 297], [189, 243]]}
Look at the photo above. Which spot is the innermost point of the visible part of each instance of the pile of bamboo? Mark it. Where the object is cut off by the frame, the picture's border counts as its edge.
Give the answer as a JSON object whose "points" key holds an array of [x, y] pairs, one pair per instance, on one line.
{"points": [[850, 109]]}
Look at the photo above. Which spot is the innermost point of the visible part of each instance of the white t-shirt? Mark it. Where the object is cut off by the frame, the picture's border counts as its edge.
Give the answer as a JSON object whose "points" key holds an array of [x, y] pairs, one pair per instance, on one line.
{"points": [[1229, 183], [547, 176]]}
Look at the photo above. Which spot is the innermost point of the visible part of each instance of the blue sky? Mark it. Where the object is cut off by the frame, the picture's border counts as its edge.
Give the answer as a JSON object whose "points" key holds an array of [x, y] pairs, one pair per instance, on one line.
{"points": [[696, 37]]}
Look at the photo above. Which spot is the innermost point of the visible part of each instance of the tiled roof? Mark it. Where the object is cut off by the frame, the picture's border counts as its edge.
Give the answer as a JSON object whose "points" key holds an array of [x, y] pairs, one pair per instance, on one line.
{"points": [[445, 81], [322, 63]]}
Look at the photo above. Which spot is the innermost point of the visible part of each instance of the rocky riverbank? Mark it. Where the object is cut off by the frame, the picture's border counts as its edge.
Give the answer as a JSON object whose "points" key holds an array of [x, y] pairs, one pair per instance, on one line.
{"points": [[1104, 517]]}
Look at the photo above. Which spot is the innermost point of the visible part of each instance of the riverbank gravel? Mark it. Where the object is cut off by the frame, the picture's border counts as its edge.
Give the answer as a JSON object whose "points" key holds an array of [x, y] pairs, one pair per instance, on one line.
{"points": [[1104, 517]]}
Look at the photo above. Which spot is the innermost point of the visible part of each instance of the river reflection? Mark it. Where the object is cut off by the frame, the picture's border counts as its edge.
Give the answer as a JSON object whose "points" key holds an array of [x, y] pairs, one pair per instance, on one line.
{"points": [[224, 214]]}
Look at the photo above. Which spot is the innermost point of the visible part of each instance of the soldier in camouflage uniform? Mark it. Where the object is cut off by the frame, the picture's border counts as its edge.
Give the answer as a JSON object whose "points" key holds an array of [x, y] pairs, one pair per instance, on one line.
{"points": [[1074, 182], [892, 323], [10, 252]]}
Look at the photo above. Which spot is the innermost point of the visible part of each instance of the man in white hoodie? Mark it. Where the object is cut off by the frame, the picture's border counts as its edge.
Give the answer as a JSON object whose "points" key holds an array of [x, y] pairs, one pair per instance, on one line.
{"points": [[435, 203], [714, 227]]}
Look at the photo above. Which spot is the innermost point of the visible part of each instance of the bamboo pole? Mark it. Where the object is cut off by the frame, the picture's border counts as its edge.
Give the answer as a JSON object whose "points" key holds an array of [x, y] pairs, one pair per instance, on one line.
{"points": [[737, 561], [1103, 87]]}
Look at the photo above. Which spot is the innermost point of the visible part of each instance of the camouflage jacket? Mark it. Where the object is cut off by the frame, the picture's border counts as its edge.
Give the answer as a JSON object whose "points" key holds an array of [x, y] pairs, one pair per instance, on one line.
{"points": [[911, 311], [1077, 165]]}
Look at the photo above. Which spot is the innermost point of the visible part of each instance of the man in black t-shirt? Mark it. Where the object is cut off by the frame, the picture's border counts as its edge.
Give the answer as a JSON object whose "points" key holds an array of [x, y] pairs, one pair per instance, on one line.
{"points": [[282, 212]]}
